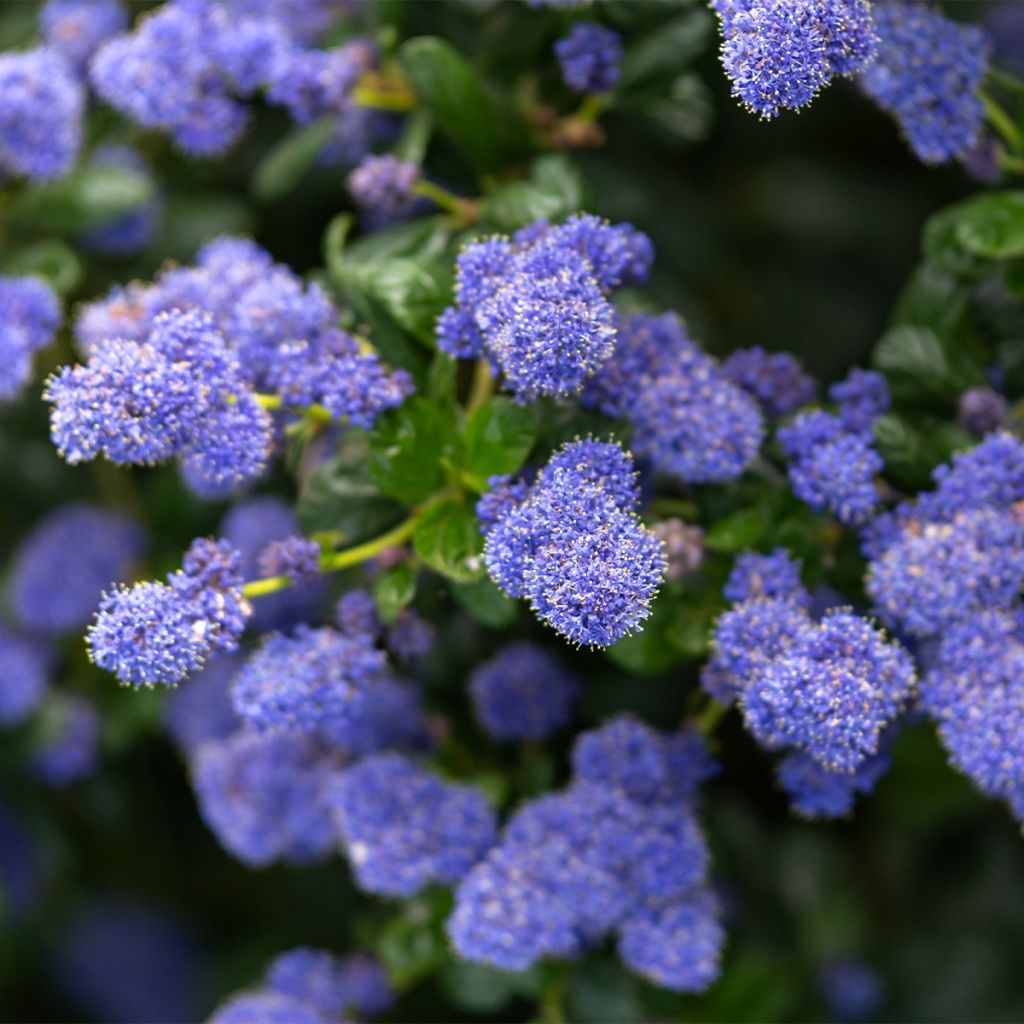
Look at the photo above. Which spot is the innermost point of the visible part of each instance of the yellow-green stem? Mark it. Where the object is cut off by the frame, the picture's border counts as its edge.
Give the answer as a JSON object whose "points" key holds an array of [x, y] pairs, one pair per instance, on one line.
{"points": [[316, 413], [466, 210], [392, 98], [707, 721], [481, 387], [1001, 121]]}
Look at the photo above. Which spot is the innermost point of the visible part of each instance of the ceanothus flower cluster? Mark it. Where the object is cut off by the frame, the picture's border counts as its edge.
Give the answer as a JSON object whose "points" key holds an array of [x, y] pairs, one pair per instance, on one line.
{"points": [[163, 632], [589, 57], [575, 548], [620, 850], [779, 54], [312, 986], [536, 305], [25, 669], [689, 419], [776, 379], [29, 318], [68, 746]]}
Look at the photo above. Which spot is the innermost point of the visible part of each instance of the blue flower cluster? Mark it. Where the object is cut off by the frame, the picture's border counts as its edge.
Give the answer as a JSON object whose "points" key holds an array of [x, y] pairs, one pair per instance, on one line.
{"points": [[296, 557], [830, 467], [776, 379], [385, 184], [404, 828], [25, 668], [41, 114], [162, 632], [814, 792], [67, 746], [60, 569], [862, 397], [171, 368], [523, 693], [981, 411], [537, 304], [78, 28], [201, 709], [29, 318], [771, 576], [684, 546], [589, 57], [779, 54], [926, 74], [689, 420], [312, 986], [620, 850], [187, 66], [575, 548]]}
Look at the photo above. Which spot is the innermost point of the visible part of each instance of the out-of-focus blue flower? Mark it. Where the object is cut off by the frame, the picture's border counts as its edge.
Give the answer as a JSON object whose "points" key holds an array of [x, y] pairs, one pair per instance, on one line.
{"points": [[266, 1007], [862, 397], [60, 569], [41, 107], [385, 184], [776, 379], [815, 792], [774, 575], [22, 866], [982, 411], [67, 742], [853, 991], [201, 709], [77, 28], [29, 318], [410, 637], [404, 828], [130, 232], [298, 558], [589, 57], [523, 693], [335, 987], [926, 74], [25, 671]]}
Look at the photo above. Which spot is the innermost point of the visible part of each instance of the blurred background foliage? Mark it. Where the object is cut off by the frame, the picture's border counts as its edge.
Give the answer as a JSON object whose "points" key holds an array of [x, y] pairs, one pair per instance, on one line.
{"points": [[801, 235]]}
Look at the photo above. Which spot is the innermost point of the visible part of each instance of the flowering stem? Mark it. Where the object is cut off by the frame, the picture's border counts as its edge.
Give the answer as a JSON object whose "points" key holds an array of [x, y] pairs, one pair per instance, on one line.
{"points": [[482, 386], [316, 413], [466, 210], [383, 93], [1001, 121], [335, 560]]}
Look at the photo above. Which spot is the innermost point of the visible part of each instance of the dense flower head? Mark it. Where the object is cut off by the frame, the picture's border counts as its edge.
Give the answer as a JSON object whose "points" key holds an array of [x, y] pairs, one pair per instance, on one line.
{"points": [[77, 28], [814, 792], [589, 57], [404, 828], [29, 317], [298, 558], [265, 1006], [251, 526], [41, 114], [780, 53], [60, 569], [537, 305], [129, 232], [975, 690], [265, 796], [298, 682], [356, 613], [926, 74], [162, 633], [201, 709], [384, 183], [576, 549], [774, 575], [313, 83], [862, 397], [832, 690], [831, 468], [935, 573], [776, 379], [333, 986], [410, 637], [688, 418], [523, 693], [25, 671], [577, 864], [503, 494], [67, 747], [982, 411]]}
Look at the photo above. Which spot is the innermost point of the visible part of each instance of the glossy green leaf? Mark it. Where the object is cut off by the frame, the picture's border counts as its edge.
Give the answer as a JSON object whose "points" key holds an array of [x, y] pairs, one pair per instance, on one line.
{"points": [[54, 261], [552, 192], [284, 167], [407, 447], [448, 539], [497, 439], [742, 529], [485, 603], [394, 590], [88, 198]]}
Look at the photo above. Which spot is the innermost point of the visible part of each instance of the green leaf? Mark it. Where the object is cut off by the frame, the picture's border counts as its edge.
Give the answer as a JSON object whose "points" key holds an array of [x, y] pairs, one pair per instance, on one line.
{"points": [[412, 292], [992, 225], [407, 447], [479, 989], [649, 650], [335, 238], [424, 237], [934, 298], [340, 498], [487, 131], [394, 590], [413, 945], [442, 377], [53, 261], [666, 50], [190, 221], [281, 170], [497, 439], [917, 363], [448, 539], [742, 529], [485, 603], [89, 198], [553, 191]]}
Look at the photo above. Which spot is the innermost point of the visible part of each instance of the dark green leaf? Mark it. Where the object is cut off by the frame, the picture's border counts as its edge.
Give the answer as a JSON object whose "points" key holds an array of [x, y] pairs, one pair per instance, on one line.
{"points": [[442, 377], [479, 989], [992, 225], [497, 439], [281, 170], [743, 529], [448, 539], [407, 447], [394, 590], [666, 50], [917, 363], [424, 237], [934, 298], [484, 129], [552, 192], [340, 498], [335, 238], [650, 649], [484, 602], [413, 945], [89, 198], [191, 221], [54, 261]]}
